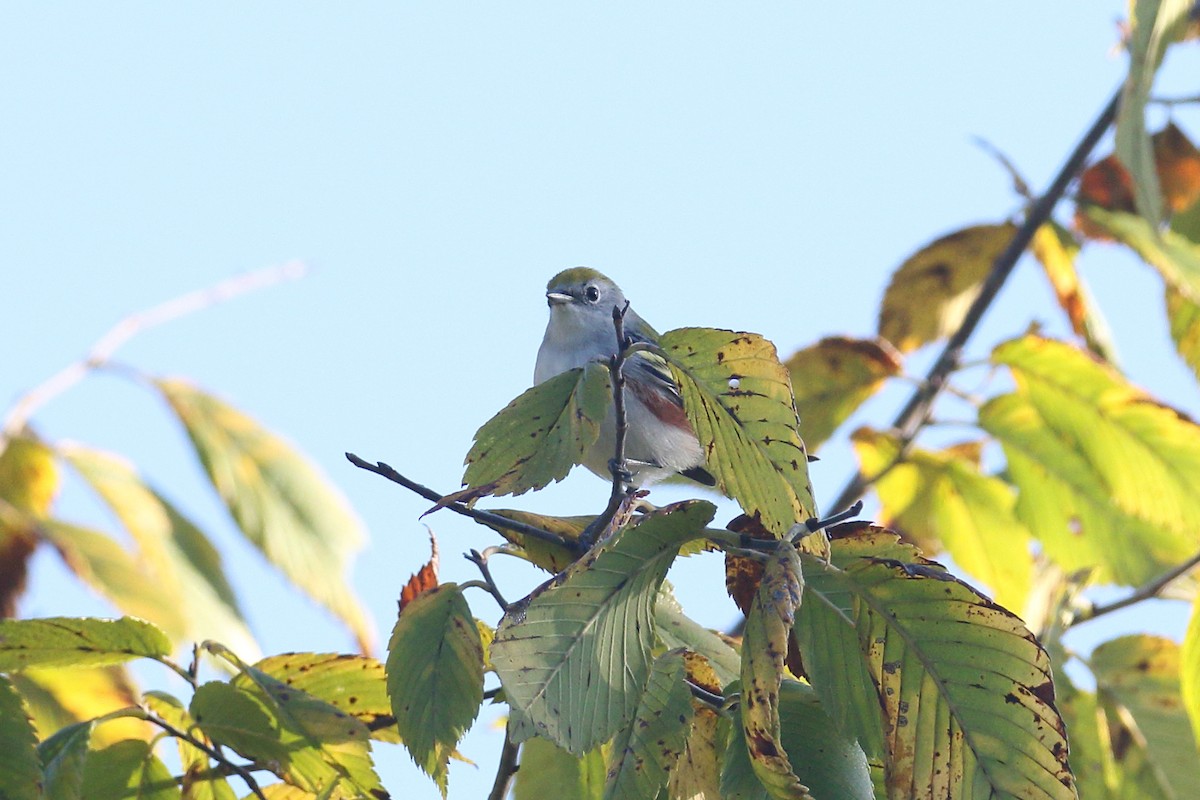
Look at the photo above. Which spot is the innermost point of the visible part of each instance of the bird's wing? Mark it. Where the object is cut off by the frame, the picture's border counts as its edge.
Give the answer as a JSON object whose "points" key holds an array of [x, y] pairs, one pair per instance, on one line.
{"points": [[652, 369]]}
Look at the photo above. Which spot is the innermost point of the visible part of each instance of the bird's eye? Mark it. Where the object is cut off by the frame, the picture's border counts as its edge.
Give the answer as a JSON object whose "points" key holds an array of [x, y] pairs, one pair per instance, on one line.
{"points": [[592, 294]]}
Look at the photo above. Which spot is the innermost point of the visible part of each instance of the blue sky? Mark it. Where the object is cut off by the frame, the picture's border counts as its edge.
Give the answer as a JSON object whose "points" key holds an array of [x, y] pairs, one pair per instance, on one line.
{"points": [[760, 167]]}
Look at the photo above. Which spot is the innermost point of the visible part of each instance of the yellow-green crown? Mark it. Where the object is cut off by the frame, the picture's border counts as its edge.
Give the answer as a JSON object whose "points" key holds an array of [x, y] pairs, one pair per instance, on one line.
{"points": [[576, 276]]}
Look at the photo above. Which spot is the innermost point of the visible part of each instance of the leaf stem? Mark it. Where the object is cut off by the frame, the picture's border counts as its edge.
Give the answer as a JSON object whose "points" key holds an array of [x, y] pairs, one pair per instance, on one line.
{"points": [[216, 755], [915, 414], [1143, 592]]}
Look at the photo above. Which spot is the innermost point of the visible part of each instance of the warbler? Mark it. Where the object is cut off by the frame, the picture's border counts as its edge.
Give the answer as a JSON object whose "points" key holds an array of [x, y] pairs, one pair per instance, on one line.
{"points": [[659, 441]]}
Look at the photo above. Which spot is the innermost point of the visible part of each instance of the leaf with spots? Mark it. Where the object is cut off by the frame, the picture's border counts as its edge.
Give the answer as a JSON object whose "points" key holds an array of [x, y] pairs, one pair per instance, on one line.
{"points": [[573, 658], [1108, 478], [930, 292], [738, 398], [833, 377], [435, 676], [1140, 675], [77, 642], [20, 768], [965, 688], [354, 684], [645, 751], [302, 739], [697, 773], [944, 502], [538, 437], [280, 500]]}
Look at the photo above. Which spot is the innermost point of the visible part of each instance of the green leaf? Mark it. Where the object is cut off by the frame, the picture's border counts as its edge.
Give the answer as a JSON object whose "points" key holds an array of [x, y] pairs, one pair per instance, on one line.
{"points": [[1142, 674], [435, 676], [128, 770], [280, 500], [697, 773], [1154, 25], [29, 481], [351, 683], [173, 550], [77, 642], [1190, 669], [106, 566], [833, 377], [305, 741], [738, 398], [832, 766], [1057, 248], [548, 771], [644, 752], [1108, 477], [538, 437], [20, 768], [676, 629], [1175, 257], [197, 784], [63, 757], [546, 555], [1183, 314], [966, 690], [943, 501], [574, 657], [764, 647], [929, 293]]}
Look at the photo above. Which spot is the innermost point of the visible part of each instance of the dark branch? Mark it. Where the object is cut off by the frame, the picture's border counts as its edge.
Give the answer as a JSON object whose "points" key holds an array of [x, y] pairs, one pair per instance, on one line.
{"points": [[813, 525], [915, 414], [1144, 592], [489, 583], [216, 755], [507, 768], [485, 517], [705, 696]]}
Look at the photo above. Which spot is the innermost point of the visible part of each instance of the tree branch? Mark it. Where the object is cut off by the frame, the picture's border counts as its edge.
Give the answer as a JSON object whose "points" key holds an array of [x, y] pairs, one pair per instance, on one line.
{"points": [[507, 768], [488, 583], [102, 351], [915, 414], [486, 517], [216, 755], [1143, 592]]}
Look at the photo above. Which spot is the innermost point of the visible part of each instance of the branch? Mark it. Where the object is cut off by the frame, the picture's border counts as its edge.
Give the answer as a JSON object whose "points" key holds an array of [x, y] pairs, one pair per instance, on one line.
{"points": [[102, 351], [486, 517], [913, 417], [1143, 592], [488, 583], [507, 767], [237, 769]]}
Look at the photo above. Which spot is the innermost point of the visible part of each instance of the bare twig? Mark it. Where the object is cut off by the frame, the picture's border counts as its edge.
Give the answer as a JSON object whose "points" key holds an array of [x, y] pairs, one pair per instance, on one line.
{"points": [[489, 583], [507, 768], [102, 351], [237, 769], [913, 417], [1143, 592], [486, 517]]}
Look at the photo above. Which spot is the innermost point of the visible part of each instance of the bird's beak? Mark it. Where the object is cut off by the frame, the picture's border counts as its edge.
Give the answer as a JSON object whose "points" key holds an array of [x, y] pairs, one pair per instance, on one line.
{"points": [[557, 298]]}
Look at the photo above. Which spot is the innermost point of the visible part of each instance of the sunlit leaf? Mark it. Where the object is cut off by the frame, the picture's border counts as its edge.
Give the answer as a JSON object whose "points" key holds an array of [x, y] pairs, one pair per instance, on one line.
{"points": [[1142, 674], [77, 642], [128, 770], [1175, 257], [435, 676], [199, 783], [20, 768], [697, 773], [573, 658], [1056, 249], [833, 377], [1190, 669], [29, 481], [764, 644], [738, 398], [538, 437], [929, 293], [58, 698], [172, 549], [1108, 477], [548, 771], [945, 502], [644, 752], [353, 684], [279, 499], [1154, 25]]}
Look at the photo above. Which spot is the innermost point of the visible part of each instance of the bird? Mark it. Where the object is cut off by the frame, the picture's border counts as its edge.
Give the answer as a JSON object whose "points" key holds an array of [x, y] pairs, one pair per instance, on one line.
{"points": [[660, 441]]}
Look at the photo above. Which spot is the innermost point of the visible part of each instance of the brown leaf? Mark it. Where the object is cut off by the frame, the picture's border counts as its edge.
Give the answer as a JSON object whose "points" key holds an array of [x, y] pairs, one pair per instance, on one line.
{"points": [[743, 575], [423, 579]]}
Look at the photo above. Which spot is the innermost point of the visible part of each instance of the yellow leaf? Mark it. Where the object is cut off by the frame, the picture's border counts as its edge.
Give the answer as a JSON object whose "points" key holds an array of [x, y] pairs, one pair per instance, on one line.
{"points": [[833, 377]]}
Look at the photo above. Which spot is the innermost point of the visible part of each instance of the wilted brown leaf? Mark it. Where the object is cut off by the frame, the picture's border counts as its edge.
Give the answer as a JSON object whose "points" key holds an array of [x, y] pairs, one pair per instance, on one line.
{"points": [[423, 579]]}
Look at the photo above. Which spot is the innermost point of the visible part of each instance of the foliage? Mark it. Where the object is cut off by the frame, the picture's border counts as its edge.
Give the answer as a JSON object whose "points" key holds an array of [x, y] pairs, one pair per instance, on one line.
{"points": [[863, 670]]}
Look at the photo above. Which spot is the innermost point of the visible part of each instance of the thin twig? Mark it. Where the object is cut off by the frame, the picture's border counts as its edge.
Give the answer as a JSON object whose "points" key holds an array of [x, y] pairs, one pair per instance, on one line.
{"points": [[489, 583], [239, 770], [912, 418], [507, 768], [1143, 592], [486, 517], [705, 696], [102, 351]]}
